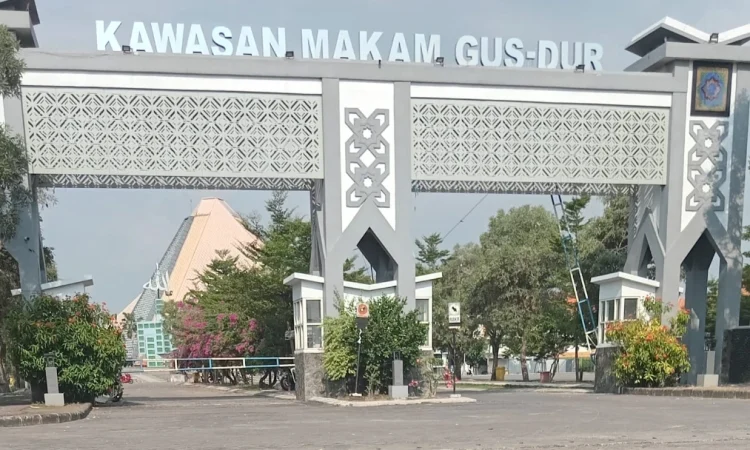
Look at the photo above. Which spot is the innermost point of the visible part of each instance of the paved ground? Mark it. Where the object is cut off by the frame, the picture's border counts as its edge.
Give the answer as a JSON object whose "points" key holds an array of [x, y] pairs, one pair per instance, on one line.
{"points": [[567, 377], [165, 416]]}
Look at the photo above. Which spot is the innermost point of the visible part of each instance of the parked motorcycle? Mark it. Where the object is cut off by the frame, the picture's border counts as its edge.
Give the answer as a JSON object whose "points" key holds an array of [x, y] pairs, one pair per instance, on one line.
{"points": [[126, 378], [287, 379], [114, 394]]}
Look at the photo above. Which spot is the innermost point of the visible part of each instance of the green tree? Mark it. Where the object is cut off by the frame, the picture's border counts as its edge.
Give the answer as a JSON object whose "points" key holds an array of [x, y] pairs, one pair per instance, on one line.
{"points": [[354, 274], [475, 353], [746, 255], [712, 301], [521, 268], [129, 325], [9, 280], [430, 257], [50, 264], [574, 213], [258, 292], [603, 243], [14, 194], [466, 280], [556, 329], [86, 343], [459, 273]]}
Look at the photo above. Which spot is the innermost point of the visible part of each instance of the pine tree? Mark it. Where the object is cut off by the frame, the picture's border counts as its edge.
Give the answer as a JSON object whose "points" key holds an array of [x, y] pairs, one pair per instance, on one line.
{"points": [[430, 257]]}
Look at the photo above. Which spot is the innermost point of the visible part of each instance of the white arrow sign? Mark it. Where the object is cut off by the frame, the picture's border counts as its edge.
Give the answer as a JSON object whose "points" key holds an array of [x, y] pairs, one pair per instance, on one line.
{"points": [[454, 313]]}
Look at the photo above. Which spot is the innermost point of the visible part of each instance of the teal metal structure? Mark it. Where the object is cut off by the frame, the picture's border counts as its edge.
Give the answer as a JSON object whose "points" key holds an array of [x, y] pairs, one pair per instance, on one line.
{"points": [[570, 249]]}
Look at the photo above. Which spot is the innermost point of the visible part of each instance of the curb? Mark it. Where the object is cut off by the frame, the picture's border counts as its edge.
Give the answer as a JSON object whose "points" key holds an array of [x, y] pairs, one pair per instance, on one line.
{"points": [[366, 404], [46, 418], [740, 394]]}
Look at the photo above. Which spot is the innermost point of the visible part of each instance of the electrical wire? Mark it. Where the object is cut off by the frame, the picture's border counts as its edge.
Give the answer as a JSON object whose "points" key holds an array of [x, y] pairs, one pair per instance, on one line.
{"points": [[465, 216]]}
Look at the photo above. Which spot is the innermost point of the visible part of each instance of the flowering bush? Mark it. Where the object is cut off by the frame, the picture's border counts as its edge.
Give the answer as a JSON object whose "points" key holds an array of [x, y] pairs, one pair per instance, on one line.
{"points": [[425, 377], [84, 338], [652, 354], [196, 335]]}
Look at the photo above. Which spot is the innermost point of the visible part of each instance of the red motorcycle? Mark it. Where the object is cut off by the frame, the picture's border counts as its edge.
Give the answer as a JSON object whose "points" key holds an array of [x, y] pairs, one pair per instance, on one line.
{"points": [[125, 378]]}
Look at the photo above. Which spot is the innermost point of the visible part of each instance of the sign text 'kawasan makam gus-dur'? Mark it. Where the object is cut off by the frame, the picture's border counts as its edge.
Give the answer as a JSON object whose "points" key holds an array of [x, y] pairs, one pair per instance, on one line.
{"points": [[467, 50]]}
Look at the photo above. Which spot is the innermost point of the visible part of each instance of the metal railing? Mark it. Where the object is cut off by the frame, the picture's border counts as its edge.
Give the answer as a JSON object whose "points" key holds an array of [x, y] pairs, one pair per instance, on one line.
{"points": [[202, 364]]}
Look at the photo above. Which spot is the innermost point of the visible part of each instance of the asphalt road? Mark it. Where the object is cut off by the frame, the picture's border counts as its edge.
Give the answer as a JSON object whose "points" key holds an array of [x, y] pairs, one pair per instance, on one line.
{"points": [[164, 416]]}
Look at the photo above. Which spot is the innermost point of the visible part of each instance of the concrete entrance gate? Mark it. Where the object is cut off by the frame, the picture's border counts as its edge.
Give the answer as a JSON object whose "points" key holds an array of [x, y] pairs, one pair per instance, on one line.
{"points": [[362, 136]]}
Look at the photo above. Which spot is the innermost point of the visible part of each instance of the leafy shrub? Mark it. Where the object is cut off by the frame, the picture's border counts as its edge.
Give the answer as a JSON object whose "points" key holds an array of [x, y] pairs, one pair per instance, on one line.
{"points": [[339, 361], [88, 348], [652, 354], [389, 331]]}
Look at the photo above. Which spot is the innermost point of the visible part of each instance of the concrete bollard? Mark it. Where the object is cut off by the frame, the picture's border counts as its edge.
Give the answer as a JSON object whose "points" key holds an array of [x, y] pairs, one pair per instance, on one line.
{"points": [[398, 390], [53, 397]]}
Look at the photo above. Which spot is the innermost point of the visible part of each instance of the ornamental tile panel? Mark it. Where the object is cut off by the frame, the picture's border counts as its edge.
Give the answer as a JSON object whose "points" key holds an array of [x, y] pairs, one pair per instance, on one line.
{"points": [[707, 165], [367, 157], [494, 143], [122, 133]]}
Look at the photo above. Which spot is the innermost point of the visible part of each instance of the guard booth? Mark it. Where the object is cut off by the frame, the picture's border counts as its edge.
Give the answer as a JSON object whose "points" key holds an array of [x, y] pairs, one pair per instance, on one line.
{"points": [[621, 297]]}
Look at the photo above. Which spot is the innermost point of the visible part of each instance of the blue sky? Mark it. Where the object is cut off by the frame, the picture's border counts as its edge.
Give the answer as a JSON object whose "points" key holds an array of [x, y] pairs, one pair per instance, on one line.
{"points": [[118, 235]]}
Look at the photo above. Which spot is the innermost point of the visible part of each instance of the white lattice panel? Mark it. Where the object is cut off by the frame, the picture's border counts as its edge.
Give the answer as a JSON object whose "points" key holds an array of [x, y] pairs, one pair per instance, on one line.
{"points": [[480, 146], [508, 187], [167, 182], [121, 138]]}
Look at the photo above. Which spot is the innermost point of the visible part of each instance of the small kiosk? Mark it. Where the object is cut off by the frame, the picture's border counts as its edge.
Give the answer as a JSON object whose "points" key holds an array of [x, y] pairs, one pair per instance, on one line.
{"points": [[63, 288], [621, 297]]}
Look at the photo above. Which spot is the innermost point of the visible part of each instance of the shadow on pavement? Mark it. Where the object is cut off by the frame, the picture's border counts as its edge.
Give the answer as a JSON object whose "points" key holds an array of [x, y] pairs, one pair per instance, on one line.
{"points": [[124, 403], [188, 398]]}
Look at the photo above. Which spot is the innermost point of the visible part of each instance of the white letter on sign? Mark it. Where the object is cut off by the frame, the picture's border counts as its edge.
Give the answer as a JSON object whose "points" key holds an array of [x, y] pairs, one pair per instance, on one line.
{"points": [[246, 44], [196, 41], [139, 40], [270, 43], [399, 49], [471, 58], [369, 46], [425, 51], [107, 37], [548, 48], [344, 48], [166, 38], [222, 37], [314, 47]]}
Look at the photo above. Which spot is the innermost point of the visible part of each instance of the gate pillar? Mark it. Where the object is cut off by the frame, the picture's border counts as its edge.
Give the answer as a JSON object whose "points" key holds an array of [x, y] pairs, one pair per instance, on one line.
{"points": [[365, 200], [698, 214], [26, 245]]}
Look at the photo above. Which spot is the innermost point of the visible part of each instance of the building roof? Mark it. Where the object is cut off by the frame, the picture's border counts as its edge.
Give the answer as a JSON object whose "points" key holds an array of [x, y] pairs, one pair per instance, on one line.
{"points": [[128, 309], [672, 30], [212, 226], [215, 227]]}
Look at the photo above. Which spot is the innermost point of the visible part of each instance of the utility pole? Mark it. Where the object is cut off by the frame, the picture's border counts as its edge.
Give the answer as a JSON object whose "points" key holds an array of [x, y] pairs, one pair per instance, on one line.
{"points": [[454, 323]]}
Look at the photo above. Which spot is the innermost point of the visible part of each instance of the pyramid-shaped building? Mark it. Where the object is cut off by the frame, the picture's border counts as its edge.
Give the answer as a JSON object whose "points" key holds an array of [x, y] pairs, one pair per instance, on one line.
{"points": [[213, 226]]}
